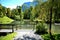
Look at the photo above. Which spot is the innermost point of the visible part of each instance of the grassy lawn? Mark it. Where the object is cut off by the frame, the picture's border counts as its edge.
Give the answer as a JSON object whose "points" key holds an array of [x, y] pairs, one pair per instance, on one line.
{"points": [[8, 37], [5, 20]]}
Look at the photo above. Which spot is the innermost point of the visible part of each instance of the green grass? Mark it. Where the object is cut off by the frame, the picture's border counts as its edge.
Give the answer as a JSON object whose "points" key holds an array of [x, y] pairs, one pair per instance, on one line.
{"points": [[5, 20], [8, 37]]}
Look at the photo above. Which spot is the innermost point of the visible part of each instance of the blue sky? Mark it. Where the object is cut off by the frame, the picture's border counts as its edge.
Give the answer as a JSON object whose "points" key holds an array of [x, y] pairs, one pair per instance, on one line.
{"points": [[13, 3]]}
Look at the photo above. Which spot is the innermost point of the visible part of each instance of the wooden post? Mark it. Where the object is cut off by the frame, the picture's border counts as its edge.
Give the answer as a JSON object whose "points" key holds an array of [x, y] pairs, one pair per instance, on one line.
{"points": [[16, 27], [32, 26], [12, 28]]}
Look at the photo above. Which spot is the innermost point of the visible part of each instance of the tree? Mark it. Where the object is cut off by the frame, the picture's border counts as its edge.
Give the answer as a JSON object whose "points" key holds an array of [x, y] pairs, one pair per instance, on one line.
{"points": [[20, 12], [32, 17], [41, 11], [4, 10], [13, 13], [27, 13], [1, 11], [57, 10], [8, 12]]}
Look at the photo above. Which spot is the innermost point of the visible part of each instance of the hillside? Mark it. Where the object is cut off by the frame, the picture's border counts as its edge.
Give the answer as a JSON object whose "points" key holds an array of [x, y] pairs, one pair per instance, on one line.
{"points": [[5, 20]]}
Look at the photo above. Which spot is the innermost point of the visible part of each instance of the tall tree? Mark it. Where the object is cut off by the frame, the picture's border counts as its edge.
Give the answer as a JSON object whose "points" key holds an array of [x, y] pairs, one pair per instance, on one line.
{"points": [[8, 12], [33, 12], [20, 12], [1, 11], [4, 10]]}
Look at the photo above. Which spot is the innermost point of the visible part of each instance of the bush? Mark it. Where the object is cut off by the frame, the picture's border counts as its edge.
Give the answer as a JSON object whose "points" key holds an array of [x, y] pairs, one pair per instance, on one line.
{"points": [[47, 37], [57, 36], [41, 28]]}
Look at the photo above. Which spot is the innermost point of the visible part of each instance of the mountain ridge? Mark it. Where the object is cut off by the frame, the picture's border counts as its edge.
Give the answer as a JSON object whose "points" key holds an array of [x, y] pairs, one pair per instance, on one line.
{"points": [[27, 5]]}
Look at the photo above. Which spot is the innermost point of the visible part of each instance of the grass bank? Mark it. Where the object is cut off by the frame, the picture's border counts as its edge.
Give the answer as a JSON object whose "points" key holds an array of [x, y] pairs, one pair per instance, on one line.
{"points": [[8, 36]]}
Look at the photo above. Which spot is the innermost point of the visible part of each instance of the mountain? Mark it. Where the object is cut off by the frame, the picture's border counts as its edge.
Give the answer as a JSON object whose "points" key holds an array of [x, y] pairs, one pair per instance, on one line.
{"points": [[28, 4]]}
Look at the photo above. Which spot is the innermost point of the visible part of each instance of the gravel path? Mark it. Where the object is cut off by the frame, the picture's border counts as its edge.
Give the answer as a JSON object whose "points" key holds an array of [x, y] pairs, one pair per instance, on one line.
{"points": [[27, 35]]}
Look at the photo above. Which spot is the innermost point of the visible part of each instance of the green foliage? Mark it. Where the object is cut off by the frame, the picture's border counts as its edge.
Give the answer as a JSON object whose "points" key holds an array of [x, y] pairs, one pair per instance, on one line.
{"points": [[33, 13], [41, 11], [27, 14], [5, 20], [41, 28], [57, 36], [11, 13], [1, 12], [47, 36], [8, 37], [8, 12], [17, 17]]}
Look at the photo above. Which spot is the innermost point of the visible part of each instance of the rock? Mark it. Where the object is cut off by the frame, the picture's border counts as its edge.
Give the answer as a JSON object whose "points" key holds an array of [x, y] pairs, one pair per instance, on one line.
{"points": [[32, 37], [27, 36]]}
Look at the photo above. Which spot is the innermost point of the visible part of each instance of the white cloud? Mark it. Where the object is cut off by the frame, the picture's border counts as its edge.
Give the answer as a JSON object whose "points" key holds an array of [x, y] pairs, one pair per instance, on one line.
{"points": [[30, 0], [12, 7]]}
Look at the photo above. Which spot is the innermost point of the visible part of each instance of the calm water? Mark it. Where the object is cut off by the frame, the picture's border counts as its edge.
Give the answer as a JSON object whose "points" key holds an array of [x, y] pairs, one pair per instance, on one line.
{"points": [[55, 28], [31, 25]]}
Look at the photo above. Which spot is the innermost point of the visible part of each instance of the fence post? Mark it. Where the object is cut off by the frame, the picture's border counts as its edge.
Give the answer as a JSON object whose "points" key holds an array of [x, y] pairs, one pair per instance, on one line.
{"points": [[12, 28]]}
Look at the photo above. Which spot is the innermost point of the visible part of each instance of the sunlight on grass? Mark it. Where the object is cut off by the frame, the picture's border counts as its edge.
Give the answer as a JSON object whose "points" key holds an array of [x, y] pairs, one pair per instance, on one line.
{"points": [[5, 20], [8, 37]]}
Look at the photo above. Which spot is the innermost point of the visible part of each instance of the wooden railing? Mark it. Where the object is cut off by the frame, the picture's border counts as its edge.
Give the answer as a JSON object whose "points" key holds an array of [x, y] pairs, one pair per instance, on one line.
{"points": [[12, 26]]}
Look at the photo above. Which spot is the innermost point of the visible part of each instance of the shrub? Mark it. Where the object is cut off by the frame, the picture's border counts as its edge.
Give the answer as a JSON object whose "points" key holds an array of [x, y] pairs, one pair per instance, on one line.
{"points": [[41, 28], [47, 37], [57, 36]]}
